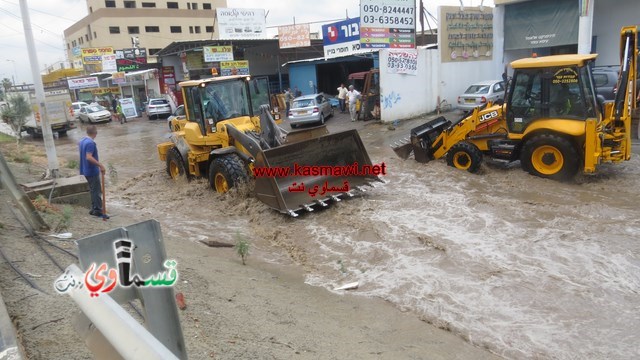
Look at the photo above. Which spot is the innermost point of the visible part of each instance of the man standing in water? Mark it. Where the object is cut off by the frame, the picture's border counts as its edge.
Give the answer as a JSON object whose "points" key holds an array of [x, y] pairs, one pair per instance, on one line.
{"points": [[91, 168]]}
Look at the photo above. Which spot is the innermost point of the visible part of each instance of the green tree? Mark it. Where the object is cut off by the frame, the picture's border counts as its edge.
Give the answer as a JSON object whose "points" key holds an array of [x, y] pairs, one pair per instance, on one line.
{"points": [[16, 112], [6, 84]]}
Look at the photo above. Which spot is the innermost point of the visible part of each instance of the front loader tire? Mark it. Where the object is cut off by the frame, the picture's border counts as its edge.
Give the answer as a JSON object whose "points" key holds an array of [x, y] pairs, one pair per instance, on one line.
{"points": [[226, 172], [175, 164], [550, 156], [465, 156]]}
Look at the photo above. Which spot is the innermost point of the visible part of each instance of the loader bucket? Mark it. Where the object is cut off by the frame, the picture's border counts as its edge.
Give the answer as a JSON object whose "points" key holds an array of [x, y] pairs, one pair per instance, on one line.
{"points": [[313, 172]]}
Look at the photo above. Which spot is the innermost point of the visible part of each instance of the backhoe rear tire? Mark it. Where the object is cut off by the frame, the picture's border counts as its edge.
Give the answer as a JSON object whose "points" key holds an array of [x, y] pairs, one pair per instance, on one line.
{"points": [[550, 156], [465, 156], [175, 164], [226, 172]]}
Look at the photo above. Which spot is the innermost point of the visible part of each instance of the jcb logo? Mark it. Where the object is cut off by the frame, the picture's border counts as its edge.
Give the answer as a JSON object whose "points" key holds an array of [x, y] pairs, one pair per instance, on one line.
{"points": [[488, 116]]}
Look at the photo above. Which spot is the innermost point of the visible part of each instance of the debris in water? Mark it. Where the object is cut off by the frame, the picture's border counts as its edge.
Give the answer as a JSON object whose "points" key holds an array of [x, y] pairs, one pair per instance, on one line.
{"points": [[213, 243], [349, 286]]}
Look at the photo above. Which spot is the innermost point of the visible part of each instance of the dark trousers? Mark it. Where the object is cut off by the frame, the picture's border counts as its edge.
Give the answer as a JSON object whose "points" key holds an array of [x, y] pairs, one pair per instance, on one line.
{"points": [[95, 189], [342, 104]]}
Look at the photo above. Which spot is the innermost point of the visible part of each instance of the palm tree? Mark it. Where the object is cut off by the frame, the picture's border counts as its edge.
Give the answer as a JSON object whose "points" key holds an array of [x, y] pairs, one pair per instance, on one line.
{"points": [[6, 84]]}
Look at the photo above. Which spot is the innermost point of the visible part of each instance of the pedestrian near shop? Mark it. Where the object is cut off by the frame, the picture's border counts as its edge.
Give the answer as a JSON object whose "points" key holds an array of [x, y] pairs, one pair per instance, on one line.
{"points": [[353, 95], [288, 99], [91, 168], [342, 97], [120, 113], [114, 104]]}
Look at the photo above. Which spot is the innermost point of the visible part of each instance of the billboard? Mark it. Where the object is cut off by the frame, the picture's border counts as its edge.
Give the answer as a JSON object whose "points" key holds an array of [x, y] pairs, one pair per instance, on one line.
{"points": [[388, 24], [234, 67], [341, 38], [236, 24], [109, 63], [83, 83], [292, 36], [93, 56], [217, 53], [468, 35]]}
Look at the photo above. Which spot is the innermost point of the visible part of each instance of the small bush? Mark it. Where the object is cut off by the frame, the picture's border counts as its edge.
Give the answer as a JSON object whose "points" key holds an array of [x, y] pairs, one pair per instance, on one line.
{"points": [[22, 158], [242, 248], [72, 164]]}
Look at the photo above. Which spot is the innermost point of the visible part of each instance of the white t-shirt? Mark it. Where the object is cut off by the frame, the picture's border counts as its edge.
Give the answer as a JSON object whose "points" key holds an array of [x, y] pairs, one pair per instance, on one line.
{"points": [[353, 96]]}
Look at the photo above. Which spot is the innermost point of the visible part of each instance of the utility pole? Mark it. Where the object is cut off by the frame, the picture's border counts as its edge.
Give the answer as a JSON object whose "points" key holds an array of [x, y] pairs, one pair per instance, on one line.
{"points": [[47, 134]]}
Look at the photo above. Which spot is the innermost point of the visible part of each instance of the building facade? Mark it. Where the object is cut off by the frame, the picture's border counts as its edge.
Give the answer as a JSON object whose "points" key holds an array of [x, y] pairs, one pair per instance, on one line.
{"points": [[155, 24]]}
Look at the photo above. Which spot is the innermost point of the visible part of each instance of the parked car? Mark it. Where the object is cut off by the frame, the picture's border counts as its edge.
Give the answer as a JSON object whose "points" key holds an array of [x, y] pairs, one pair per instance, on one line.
{"points": [[75, 107], [481, 93], [178, 114], [158, 107], [307, 109], [606, 81], [94, 114]]}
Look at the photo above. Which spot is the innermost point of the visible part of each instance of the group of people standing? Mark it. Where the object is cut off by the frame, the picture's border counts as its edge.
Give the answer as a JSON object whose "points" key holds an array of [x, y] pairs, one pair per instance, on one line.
{"points": [[351, 95], [345, 95]]}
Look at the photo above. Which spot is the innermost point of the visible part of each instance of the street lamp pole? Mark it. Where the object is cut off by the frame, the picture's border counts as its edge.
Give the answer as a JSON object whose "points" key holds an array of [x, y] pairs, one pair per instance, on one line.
{"points": [[13, 78]]}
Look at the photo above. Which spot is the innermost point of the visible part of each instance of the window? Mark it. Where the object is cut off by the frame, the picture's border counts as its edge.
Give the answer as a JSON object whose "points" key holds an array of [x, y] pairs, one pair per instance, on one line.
{"points": [[68, 46], [208, 29], [206, 6], [189, 6], [190, 29], [133, 30], [194, 6], [86, 37], [153, 51], [150, 29], [110, 3], [172, 5], [74, 43], [95, 35], [498, 88], [130, 4], [197, 29], [148, 4], [114, 29], [176, 29]]}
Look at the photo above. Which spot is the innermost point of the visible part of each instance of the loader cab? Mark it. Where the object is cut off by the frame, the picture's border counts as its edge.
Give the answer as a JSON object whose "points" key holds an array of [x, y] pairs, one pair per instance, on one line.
{"points": [[556, 92]]}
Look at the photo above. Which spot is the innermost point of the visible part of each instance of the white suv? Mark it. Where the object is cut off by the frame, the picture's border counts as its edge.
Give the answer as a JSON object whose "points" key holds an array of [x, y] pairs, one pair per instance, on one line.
{"points": [[158, 107]]}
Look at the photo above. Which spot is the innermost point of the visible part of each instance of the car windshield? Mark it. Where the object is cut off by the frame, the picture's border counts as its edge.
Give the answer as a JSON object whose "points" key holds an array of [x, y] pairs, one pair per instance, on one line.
{"points": [[478, 89], [158, 102], [303, 103], [94, 108]]}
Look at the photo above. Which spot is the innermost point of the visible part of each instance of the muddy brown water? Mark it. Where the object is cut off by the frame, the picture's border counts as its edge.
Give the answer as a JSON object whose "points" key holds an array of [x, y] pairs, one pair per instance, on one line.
{"points": [[527, 267]]}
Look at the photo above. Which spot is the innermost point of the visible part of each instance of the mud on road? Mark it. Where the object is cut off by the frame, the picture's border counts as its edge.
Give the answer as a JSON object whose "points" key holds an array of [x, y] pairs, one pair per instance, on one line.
{"points": [[526, 267]]}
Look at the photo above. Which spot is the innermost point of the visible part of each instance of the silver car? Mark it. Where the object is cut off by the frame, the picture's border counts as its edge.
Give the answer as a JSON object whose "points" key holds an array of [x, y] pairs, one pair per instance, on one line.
{"points": [[481, 93], [308, 109]]}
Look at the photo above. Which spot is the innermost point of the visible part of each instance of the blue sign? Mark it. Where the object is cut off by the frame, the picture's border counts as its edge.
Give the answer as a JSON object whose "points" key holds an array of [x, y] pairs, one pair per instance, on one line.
{"points": [[341, 32]]}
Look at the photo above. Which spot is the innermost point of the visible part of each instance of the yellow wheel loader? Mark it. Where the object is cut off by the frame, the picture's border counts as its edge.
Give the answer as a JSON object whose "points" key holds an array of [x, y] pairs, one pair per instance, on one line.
{"points": [[229, 135], [551, 120]]}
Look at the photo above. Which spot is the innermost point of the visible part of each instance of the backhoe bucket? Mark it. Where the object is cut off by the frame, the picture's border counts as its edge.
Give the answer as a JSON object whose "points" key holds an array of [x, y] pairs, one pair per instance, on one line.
{"points": [[421, 141], [310, 173]]}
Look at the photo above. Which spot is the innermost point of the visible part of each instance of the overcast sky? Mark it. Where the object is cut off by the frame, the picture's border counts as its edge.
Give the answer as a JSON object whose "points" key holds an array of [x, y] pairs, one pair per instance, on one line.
{"points": [[49, 19]]}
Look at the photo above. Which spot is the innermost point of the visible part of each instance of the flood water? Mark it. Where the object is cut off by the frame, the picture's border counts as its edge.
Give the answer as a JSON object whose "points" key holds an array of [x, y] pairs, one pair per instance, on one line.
{"points": [[526, 267]]}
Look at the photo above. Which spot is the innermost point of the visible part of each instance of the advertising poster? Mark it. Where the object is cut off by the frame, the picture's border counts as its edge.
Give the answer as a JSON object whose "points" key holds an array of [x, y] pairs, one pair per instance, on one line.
{"points": [[109, 63], [241, 23], [403, 62], [342, 38], [240, 67], [292, 36], [118, 78], [217, 53], [388, 24], [129, 107]]}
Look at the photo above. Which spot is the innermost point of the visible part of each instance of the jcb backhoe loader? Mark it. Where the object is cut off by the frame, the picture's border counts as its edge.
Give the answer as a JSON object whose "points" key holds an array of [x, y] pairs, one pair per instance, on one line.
{"points": [[229, 135], [551, 120]]}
